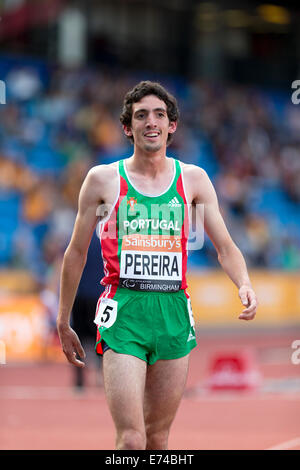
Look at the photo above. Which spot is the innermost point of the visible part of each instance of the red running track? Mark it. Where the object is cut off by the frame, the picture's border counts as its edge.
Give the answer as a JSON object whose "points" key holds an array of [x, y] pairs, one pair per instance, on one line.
{"points": [[40, 410]]}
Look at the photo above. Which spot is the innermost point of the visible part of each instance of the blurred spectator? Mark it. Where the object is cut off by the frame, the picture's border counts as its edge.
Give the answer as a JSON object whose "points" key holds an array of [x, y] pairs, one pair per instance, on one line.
{"points": [[23, 83], [291, 255], [38, 202], [49, 294], [259, 238], [84, 310]]}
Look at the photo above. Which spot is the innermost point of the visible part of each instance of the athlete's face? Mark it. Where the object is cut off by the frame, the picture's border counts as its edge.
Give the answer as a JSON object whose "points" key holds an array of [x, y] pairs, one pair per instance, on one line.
{"points": [[150, 124]]}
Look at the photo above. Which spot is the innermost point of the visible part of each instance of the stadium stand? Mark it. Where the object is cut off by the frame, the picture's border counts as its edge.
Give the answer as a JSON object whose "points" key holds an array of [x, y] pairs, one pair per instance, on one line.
{"points": [[58, 123]]}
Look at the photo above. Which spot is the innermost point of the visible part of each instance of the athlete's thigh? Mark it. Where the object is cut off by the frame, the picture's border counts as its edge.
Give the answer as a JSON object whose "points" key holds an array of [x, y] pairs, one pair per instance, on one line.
{"points": [[165, 385], [124, 382]]}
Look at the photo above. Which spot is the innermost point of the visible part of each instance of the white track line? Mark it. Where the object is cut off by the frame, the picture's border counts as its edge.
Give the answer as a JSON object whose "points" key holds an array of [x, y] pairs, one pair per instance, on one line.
{"points": [[286, 445]]}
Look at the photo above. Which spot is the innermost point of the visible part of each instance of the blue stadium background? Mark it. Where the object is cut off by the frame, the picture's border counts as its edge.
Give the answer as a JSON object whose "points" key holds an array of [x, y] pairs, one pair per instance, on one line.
{"points": [[58, 123], [231, 66]]}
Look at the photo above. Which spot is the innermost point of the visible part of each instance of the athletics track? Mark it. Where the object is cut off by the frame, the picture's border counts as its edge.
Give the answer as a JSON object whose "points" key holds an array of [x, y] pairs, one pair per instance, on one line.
{"points": [[40, 411]]}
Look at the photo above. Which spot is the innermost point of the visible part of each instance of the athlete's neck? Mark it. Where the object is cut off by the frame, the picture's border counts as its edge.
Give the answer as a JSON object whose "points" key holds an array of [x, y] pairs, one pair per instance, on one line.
{"points": [[149, 165]]}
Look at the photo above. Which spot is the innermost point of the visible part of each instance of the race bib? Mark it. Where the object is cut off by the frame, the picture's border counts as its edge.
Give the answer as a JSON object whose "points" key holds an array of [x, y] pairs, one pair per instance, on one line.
{"points": [[151, 262], [107, 313]]}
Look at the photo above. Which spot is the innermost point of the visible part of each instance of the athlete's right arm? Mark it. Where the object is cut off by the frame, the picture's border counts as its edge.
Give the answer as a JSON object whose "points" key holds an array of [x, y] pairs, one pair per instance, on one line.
{"points": [[92, 193]]}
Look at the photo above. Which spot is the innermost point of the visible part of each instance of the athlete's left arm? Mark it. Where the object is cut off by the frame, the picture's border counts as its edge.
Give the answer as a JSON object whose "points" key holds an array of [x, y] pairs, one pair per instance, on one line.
{"points": [[229, 255]]}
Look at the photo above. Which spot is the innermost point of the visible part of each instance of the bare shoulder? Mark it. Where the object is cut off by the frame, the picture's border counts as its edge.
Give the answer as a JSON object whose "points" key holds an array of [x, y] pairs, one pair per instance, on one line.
{"points": [[101, 183], [193, 172], [103, 173], [197, 181]]}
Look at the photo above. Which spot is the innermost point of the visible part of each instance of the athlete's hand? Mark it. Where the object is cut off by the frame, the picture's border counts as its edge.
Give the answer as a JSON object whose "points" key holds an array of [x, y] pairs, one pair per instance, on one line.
{"points": [[71, 345], [249, 300]]}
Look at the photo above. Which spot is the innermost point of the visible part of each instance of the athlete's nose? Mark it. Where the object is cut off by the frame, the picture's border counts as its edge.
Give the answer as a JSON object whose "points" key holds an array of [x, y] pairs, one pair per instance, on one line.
{"points": [[151, 122]]}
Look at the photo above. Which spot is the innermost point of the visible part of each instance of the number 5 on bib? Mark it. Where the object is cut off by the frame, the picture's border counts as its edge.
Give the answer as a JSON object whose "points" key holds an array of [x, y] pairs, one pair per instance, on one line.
{"points": [[107, 313]]}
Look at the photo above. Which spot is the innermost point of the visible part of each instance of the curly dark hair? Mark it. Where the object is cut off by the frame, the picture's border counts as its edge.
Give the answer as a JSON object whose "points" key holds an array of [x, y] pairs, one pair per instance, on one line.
{"points": [[146, 88]]}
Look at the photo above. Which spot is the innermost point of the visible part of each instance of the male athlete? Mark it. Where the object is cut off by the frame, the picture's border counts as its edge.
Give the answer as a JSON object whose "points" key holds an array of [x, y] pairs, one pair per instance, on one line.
{"points": [[144, 318]]}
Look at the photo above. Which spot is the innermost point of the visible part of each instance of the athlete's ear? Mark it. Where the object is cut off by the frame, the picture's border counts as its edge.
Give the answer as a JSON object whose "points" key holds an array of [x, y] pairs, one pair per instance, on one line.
{"points": [[172, 127], [127, 131]]}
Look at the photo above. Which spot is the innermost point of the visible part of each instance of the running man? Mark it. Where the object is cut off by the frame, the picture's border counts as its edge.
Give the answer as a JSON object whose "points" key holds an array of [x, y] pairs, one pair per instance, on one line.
{"points": [[145, 323]]}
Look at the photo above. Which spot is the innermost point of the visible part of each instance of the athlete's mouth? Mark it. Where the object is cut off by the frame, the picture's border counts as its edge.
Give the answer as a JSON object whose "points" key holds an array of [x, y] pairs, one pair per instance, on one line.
{"points": [[151, 135]]}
